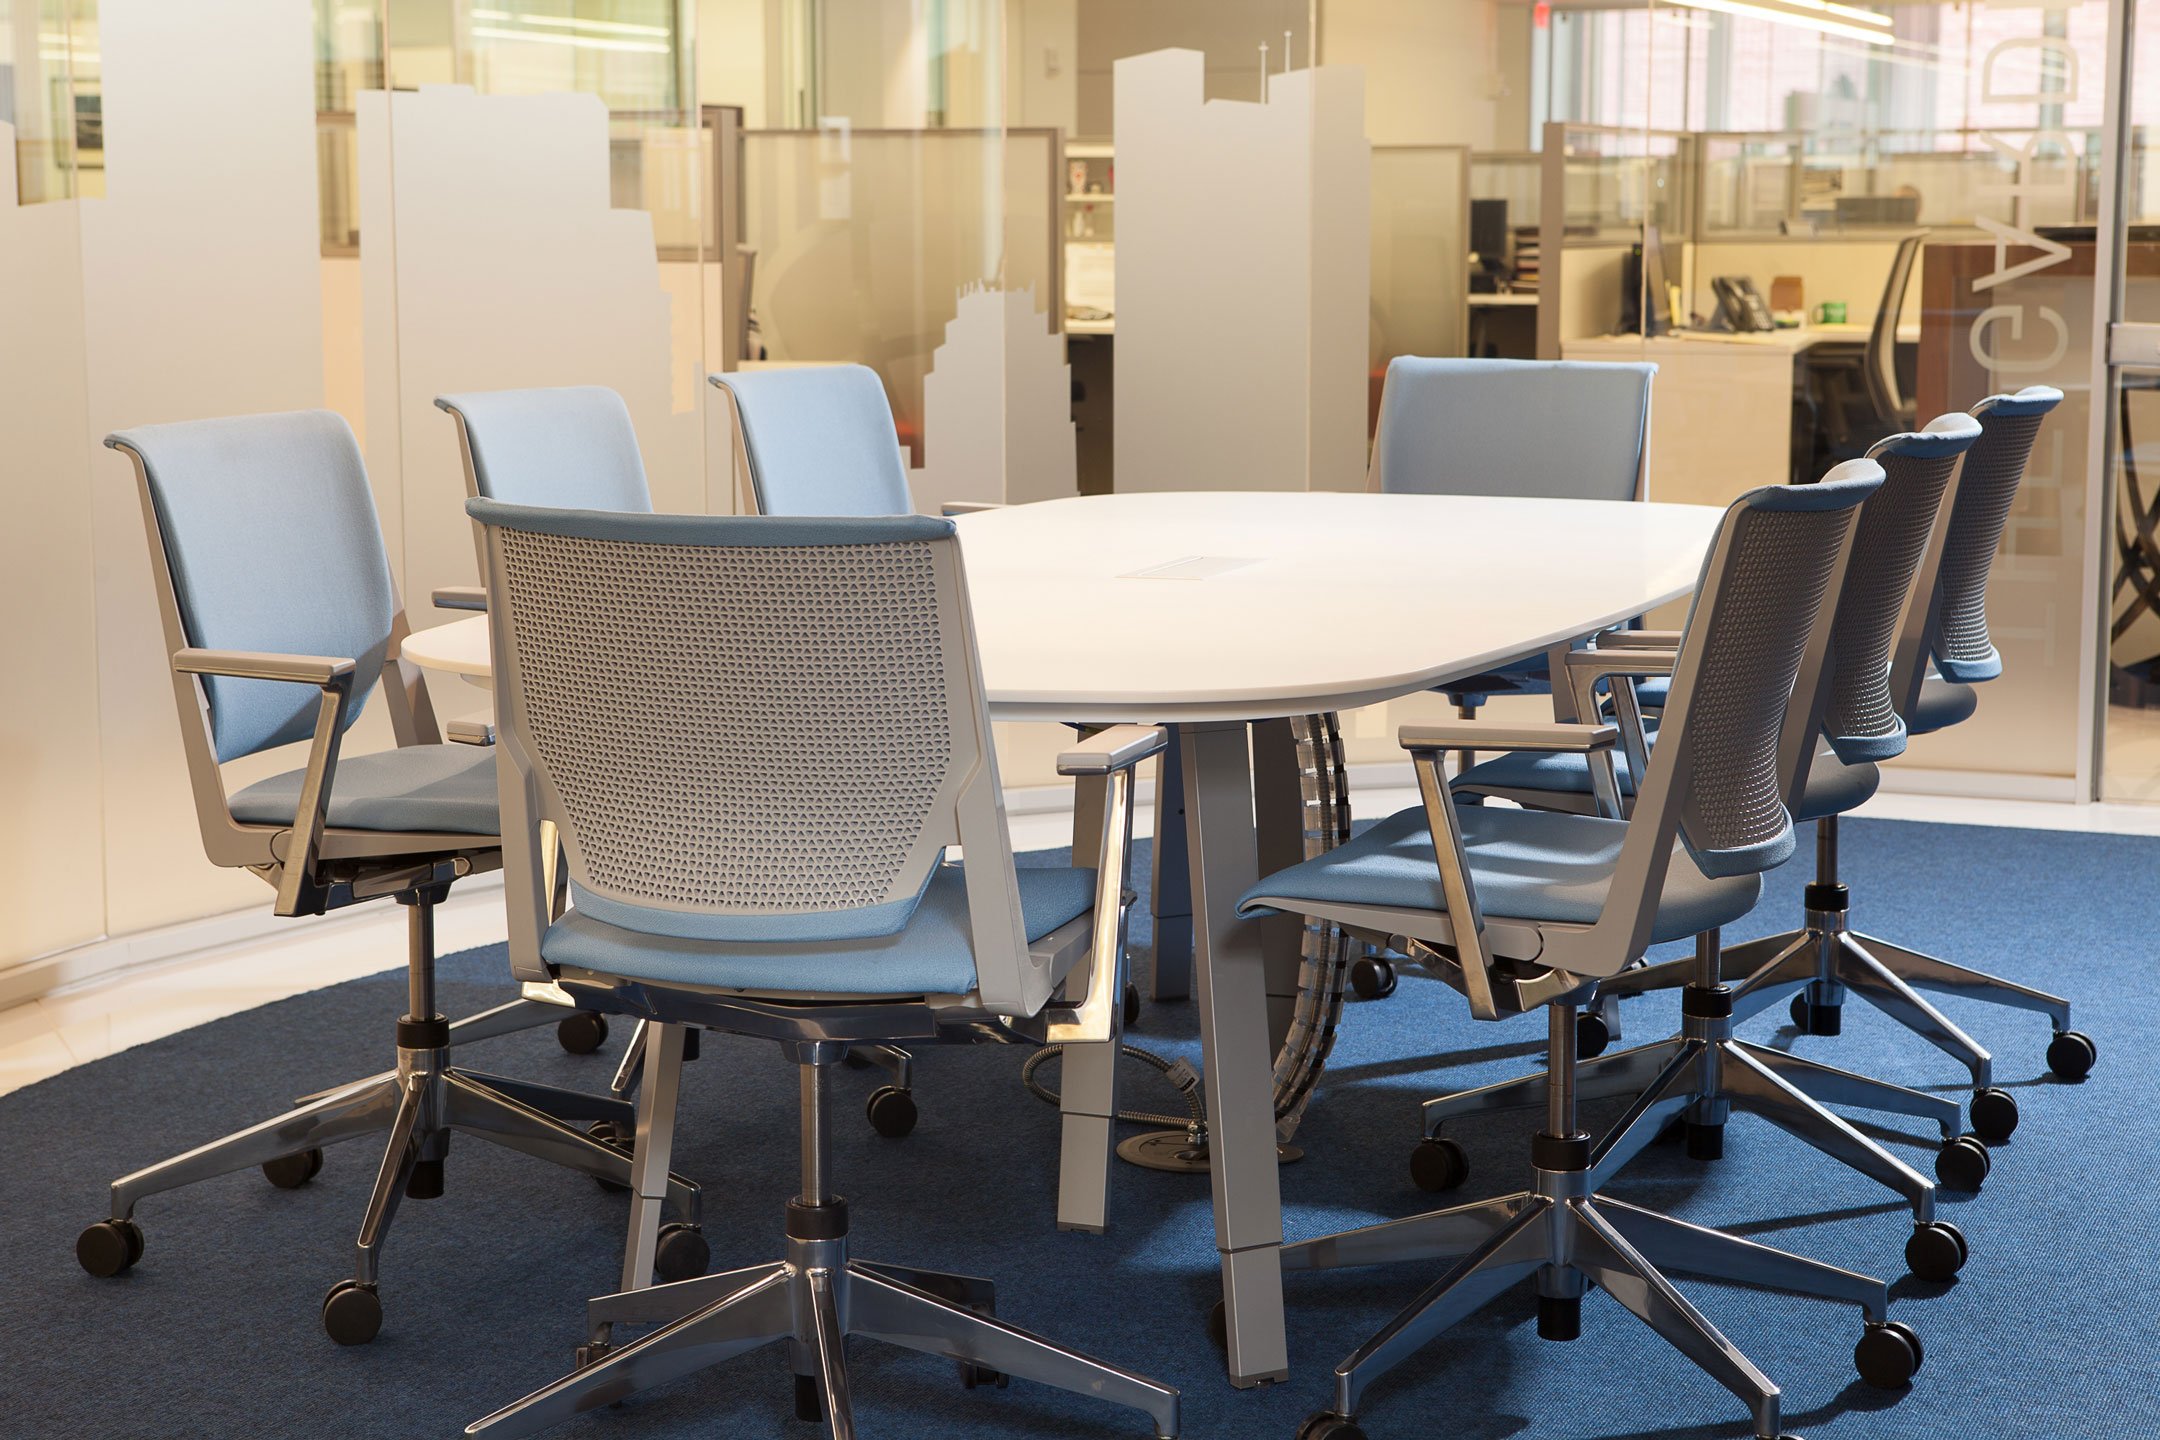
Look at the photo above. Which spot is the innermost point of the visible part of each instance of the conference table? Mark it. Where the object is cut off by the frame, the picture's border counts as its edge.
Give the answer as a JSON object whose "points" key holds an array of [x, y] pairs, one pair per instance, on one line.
{"points": [[1215, 611]]}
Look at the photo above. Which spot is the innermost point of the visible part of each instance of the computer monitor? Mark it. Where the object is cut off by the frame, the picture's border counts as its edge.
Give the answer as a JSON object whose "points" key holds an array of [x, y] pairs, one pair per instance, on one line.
{"points": [[1657, 289], [1488, 232]]}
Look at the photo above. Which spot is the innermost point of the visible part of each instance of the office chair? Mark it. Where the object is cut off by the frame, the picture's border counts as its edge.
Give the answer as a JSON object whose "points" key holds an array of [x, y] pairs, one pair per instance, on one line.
{"points": [[816, 440], [1943, 652], [574, 447], [281, 615], [755, 811], [1523, 908], [1564, 429], [1881, 406], [1845, 728]]}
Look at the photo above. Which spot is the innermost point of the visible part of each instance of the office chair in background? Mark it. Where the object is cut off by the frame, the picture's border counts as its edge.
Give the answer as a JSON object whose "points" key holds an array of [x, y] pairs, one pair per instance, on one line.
{"points": [[1564, 429], [279, 608], [1859, 395], [1944, 651], [1842, 728], [755, 816], [1521, 908]]}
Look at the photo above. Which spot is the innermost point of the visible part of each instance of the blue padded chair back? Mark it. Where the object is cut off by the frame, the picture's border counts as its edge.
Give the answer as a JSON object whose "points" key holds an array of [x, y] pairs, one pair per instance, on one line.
{"points": [[819, 440], [1755, 613], [1565, 429], [752, 729], [1896, 527], [271, 536], [1986, 489], [570, 446]]}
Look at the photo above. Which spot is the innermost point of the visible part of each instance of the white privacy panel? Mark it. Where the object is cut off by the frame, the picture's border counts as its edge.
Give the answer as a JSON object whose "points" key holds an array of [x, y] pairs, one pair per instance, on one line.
{"points": [[491, 259], [997, 407], [1243, 280], [52, 873], [202, 296]]}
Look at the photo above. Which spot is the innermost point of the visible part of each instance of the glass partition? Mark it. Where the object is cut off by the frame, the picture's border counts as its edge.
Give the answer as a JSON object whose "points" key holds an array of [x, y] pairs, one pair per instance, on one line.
{"points": [[866, 241], [1421, 249]]}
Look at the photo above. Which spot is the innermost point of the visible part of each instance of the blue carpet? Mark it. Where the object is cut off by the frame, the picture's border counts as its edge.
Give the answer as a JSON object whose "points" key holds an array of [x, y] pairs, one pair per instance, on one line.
{"points": [[2051, 1331]]}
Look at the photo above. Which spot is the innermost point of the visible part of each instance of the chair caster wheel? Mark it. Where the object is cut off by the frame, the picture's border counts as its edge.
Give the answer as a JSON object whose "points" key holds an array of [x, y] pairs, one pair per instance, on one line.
{"points": [[1327, 1425], [582, 1033], [1438, 1164], [1372, 978], [1132, 1003], [607, 1132], [1936, 1251], [1218, 1325], [2071, 1055], [1889, 1355], [1963, 1164], [1592, 1035], [1994, 1114], [109, 1248], [809, 1402], [1704, 1142], [1812, 1019], [978, 1376], [682, 1253], [290, 1172], [352, 1313], [892, 1112]]}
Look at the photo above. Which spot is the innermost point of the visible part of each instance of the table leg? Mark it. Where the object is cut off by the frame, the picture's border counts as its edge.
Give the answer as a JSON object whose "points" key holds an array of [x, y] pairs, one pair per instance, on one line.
{"points": [[1170, 889], [1238, 1056], [1279, 819]]}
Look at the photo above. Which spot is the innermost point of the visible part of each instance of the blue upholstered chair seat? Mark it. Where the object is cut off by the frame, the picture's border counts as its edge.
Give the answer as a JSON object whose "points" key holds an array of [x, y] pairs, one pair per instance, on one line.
{"points": [[930, 956], [445, 789], [1942, 703], [1832, 787], [1527, 864]]}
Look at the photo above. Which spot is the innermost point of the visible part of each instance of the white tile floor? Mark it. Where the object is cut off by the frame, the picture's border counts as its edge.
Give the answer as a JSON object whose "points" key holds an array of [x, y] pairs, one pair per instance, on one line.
{"points": [[43, 1037]]}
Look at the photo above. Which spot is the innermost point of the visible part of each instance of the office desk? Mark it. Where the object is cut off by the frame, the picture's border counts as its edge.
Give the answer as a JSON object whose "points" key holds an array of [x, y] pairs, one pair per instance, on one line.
{"points": [[1199, 610], [1721, 417], [1510, 318]]}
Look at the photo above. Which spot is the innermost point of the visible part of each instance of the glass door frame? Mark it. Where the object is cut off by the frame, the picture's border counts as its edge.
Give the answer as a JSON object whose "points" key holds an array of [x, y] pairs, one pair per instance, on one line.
{"points": [[2117, 344]]}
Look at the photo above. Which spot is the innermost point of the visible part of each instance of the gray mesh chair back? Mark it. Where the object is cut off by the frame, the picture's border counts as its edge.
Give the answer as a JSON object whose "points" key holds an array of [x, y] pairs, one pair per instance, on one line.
{"points": [[268, 533], [1885, 395], [1895, 530], [817, 440], [571, 446], [1758, 627], [1760, 608], [1568, 429], [1987, 488], [748, 729]]}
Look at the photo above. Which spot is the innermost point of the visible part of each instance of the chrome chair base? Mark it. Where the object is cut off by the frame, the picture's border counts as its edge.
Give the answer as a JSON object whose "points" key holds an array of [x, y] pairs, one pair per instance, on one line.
{"points": [[419, 1104], [812, 1299], [1819, 963], [1702, 1075], [1568, 1238]]}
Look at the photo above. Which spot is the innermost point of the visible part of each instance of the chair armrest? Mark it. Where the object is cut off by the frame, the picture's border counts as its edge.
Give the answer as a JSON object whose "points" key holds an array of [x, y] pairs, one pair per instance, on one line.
{"points": [[1456, 881], [968, 507], [297, 892], [260, 665], [1118, 748], [1639, 639], [460, 597], [1095, 1018], [1555, 738]]}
